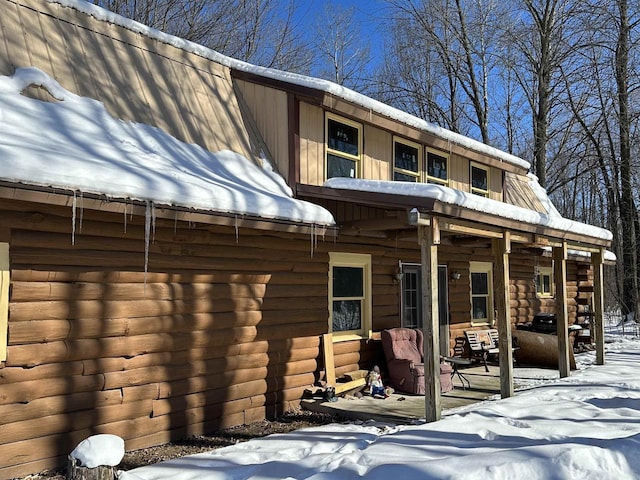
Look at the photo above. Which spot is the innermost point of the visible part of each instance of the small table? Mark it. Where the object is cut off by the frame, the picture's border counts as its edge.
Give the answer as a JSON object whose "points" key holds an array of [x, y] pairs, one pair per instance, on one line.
{"points": [[455, 363]]}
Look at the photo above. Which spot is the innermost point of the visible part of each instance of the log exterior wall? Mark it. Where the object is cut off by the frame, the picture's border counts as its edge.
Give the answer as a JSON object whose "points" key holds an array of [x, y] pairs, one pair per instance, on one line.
{"points": [[221, 326], [223, 329]]}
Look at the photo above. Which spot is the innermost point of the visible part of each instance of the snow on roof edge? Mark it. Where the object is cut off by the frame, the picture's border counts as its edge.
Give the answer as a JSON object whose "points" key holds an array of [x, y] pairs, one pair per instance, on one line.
{"points": [[472, 202], [297, 79], [75, 145]]}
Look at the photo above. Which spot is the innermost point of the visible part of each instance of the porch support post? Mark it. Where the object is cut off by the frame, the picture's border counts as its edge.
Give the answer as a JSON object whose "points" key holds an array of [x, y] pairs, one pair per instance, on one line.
{"points": [[502, 248], [562, 319], [598, 305], [429, 240]]}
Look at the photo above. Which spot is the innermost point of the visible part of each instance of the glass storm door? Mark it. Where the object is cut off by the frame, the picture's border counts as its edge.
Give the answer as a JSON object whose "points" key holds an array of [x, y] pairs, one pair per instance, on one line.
{"points": [[411, 299]]}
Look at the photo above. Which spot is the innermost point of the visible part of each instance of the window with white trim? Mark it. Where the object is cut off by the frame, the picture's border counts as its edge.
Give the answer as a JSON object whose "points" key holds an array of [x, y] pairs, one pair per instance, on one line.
{"points": [[437, 168], [406, 160], [481, 293], [344, 147], [349, 294], [4, 299], [544, 282], [479, 179]]}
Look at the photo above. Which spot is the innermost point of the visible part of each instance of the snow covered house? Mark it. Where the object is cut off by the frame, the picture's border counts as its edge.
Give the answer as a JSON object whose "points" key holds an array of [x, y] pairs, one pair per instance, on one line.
{"points": [[188, 242]]}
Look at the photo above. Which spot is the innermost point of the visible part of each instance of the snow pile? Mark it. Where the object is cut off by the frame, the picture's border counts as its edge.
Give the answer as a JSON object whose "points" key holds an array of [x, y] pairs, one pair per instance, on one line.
{"points": [[75, 144], [586, 426], [99, 450]]}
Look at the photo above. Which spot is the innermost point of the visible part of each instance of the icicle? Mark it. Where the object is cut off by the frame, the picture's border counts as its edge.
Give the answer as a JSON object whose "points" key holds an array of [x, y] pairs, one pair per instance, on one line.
{"points": [[81, 212], [236, 228], [313, 231], [147, 235], [153, 222], [73, 220], [125, 215]]}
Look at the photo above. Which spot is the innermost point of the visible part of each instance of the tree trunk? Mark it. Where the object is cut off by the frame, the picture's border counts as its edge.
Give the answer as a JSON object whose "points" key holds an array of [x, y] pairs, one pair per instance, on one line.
{"points": [[627, 207], [77, 472]]}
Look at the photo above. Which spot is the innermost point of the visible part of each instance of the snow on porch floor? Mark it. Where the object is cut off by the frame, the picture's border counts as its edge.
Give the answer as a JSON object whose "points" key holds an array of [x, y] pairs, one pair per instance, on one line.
{"points": [[402, 408]]}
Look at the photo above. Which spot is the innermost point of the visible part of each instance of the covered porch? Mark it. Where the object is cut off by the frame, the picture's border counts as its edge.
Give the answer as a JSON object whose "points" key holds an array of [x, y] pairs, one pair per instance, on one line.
{"points": [[401, 408], [440, 220]]}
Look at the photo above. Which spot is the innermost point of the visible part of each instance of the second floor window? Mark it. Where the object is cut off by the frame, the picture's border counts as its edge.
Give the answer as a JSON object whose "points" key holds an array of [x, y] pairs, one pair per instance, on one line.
{"points": [[437, 168], [344, 147], [406, 161], [479, 180]]}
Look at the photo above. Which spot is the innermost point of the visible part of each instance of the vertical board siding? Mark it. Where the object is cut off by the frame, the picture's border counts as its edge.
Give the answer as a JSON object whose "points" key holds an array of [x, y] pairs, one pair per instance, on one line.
{"points": [[311, 144], [378, 154], [268, 107], [136, 78], [222, 329]]}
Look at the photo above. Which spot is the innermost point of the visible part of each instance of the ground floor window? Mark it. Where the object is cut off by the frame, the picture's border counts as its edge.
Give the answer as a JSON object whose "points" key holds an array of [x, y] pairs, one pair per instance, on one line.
{"points": [[544, 282], [481, 293], [350, 294]]}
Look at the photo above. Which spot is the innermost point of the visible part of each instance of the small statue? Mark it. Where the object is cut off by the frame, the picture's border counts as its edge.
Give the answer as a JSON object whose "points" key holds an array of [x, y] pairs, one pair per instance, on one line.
{"points": [[374, 381]]}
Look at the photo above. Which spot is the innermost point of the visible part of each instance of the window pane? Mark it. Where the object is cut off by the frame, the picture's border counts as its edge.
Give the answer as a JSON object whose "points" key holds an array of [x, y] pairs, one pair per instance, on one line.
{"points": [[479, 308], [402, 177], [348, 282], [478, 178], [343, 138], [406, 157], [479, 284], [340, 167], [347, 315], [436, 166], [411, 300]]}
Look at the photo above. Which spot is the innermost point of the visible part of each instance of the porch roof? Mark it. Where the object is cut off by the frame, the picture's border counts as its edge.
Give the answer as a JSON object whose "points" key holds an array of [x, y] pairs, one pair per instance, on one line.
{"points": [[488, 216]]}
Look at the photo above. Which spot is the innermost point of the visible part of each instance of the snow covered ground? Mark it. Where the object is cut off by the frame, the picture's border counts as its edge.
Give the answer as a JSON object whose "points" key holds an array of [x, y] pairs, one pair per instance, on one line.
{"points": [[586, 426]]}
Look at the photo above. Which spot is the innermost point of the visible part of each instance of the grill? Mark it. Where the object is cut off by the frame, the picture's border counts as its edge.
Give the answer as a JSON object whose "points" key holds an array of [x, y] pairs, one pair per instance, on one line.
{"points": [[544, 323]]}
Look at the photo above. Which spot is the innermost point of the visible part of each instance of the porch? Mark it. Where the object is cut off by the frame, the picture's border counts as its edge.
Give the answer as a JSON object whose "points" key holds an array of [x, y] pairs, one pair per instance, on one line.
{"points": [[401, 408]]}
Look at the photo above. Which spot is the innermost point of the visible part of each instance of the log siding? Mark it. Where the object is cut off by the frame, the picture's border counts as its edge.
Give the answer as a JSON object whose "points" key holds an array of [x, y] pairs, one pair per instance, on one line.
{"points": [[222, 329]]}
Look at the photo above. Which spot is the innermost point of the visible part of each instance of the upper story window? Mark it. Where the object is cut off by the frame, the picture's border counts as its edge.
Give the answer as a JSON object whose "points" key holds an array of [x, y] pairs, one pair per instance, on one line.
{"points": [[349, 294], [437, 168], [544, 282], [344, 147], [406, 160], [479, 180], [481, 293]]}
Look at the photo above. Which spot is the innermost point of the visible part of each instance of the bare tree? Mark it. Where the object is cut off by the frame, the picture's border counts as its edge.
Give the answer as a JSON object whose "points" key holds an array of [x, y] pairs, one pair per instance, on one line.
{"points": [[546, 38], [262, 32], [343, 57], [454, 42]]}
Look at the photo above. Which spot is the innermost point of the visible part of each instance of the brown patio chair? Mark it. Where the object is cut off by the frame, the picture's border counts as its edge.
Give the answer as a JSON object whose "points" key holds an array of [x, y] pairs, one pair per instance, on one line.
{"points": [[405, 365], [402, 349]]}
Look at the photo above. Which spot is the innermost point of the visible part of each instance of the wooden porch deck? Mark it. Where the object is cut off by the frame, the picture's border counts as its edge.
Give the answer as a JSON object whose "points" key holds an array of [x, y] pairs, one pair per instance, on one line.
{"points": [[401, 408]]}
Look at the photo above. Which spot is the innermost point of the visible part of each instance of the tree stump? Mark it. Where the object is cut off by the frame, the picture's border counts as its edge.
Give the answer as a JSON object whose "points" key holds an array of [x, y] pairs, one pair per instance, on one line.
{"points": [[78, 472]]}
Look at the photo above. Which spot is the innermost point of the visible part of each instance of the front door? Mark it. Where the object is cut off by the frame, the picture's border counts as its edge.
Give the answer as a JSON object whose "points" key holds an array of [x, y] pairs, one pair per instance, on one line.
{"points": [[411, 299]]}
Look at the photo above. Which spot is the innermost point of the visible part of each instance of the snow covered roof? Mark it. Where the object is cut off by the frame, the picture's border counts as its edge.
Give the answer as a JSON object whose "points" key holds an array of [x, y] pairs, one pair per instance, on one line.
{"points": [[75, 144], [552, 219], [296, 79]]}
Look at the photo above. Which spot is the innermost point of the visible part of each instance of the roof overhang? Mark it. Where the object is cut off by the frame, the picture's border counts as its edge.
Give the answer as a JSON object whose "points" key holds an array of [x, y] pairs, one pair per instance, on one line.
{"points": [[453, 218], [69, 198]]}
